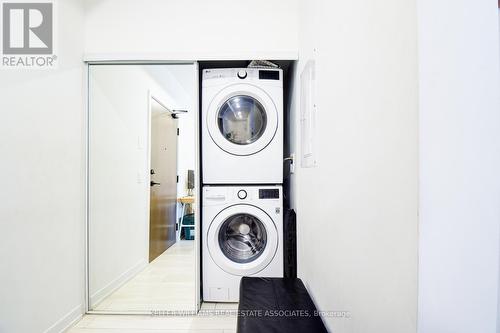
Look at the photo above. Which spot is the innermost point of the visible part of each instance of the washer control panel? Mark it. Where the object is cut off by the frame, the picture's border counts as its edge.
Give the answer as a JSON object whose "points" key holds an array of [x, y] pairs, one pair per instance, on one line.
{"points": [[242, 194], [269, 194], [227, 195]]}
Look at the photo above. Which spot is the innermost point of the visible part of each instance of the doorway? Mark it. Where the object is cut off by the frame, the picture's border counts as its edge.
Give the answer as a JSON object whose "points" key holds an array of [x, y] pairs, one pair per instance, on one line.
{"points": [[163, 182]]}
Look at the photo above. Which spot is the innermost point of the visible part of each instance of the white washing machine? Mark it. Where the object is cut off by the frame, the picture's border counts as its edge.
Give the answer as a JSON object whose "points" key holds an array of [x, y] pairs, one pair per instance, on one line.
{"points": [[242, 126], [242, 235]]}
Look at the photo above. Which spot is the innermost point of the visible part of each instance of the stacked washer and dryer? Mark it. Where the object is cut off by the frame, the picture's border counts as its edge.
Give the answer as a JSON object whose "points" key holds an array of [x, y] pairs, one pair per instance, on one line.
{"points": [[242, 176]]}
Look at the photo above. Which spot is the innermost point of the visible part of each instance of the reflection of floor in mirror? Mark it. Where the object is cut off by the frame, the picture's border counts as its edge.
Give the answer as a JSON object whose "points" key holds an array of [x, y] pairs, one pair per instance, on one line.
{"points": [[166, 284], [207, 306], [219, 321]]}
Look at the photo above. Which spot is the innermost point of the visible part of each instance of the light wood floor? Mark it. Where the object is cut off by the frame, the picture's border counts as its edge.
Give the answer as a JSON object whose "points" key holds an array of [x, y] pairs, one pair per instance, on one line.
{"points": [[166, 284], [212, 318], [202, 323]]}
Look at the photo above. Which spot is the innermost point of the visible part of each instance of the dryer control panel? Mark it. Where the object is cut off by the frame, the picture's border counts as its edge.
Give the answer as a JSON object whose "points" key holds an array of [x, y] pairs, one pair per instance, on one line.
{"points": [[269, 76]]}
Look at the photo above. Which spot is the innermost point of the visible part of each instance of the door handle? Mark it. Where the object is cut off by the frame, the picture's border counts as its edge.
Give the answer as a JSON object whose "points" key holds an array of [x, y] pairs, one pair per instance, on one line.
{"points": [[152, 183]]}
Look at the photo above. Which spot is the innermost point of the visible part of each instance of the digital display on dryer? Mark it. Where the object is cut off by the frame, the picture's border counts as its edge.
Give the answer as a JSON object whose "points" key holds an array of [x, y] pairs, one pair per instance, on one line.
{"points": [[269, 194], [269, 75]]}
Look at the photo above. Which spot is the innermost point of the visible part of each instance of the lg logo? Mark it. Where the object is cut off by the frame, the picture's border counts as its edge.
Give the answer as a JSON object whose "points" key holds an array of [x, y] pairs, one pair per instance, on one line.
{"points": [[27, 28]]}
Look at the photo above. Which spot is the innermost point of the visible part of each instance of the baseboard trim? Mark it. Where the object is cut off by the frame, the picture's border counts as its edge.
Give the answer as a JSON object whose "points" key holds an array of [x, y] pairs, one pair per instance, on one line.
{"points": [[66, 322], [123, 278]]}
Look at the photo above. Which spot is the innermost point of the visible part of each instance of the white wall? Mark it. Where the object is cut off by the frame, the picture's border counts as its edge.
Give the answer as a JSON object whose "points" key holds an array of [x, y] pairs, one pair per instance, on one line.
{"points": [[119, 169], [185, 81], [42, 187], [190, 28], [357, 211], [186, 150], [459, 164]]}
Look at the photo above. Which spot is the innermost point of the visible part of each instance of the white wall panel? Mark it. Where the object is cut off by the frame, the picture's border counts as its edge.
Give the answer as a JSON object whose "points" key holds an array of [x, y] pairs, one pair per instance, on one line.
{"points": [[42, 187], [357, 210], [459, 166], [222, 29]]}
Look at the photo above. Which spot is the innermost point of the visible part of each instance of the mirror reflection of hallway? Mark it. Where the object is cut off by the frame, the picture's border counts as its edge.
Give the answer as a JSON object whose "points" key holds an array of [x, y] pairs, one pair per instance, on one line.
{"points": [[138, 172]]}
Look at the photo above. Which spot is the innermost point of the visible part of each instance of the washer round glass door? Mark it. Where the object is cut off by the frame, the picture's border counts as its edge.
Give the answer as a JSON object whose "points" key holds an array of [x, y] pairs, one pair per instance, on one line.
{"points": [[242, 119], [242, 240]]}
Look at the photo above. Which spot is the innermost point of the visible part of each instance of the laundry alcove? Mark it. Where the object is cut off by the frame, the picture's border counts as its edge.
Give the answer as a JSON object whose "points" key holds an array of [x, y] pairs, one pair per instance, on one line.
{"points": [[119, 145]]}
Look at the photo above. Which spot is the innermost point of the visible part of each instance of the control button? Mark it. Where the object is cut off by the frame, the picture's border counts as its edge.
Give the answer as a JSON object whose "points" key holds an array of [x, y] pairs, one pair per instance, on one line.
{"points": [[242, 194], [242, 74]]}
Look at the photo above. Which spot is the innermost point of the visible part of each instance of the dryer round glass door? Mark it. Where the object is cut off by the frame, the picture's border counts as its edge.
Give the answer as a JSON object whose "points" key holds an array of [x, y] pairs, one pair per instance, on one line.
{"points": [[242, 240], [242, 119]]}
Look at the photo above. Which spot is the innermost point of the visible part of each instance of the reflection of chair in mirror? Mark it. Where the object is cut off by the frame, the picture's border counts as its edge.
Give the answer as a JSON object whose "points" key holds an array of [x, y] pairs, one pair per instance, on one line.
{"points": [[186, 229], [190, 183]]}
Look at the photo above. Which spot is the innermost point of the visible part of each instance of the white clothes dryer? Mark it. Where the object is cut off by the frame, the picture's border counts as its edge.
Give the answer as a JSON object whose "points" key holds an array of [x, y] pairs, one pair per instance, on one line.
{"points": [[242, 126]]}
